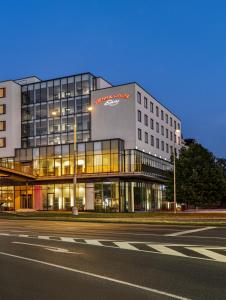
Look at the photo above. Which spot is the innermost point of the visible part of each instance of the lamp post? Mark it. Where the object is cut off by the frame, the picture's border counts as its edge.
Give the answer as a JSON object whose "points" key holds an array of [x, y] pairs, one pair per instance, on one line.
{"points": [[75, 209], [177, 131]]}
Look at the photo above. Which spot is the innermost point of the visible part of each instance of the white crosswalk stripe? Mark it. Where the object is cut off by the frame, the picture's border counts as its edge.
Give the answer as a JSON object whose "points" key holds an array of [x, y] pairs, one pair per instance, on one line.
{"points": [[166, 250], [209, 253], [182, 250], [125, 245]]}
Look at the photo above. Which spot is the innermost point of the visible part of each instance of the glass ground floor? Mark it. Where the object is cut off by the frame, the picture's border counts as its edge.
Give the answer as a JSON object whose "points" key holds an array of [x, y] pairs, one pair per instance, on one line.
{"points": [[101, 196]]}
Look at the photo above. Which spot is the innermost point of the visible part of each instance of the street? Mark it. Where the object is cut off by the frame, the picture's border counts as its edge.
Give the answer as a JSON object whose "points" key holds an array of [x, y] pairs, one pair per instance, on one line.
{"points": [[65, 260]]}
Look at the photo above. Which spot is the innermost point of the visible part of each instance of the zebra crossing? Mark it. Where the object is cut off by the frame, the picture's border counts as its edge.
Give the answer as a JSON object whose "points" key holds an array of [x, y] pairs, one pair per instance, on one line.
{"points": [[212, 253]]}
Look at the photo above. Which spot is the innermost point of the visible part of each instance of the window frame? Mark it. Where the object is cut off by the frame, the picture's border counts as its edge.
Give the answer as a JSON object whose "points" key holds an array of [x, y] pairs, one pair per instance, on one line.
{"points": [[139, 134], [3, 93], [139, 116], [4, 125], [139, 97], [4, 109], [4, 142]]}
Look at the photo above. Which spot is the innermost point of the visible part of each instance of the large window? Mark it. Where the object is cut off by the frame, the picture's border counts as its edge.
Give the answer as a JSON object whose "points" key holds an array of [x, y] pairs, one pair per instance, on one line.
{"points": [[58, 160], [2, 125], [53, 106], [157, 127], [139, 97], [2, 142], [146, 137], [2, 109], [145, 120], [145, 102], [139, 116], [2, 92], [139, 134]]}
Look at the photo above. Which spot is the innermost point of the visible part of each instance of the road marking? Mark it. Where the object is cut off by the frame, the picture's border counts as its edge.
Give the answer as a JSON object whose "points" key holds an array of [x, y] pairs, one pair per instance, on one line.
{"points": [[5, 234], [43, 237], [125, 245], [166, 250], [93, 242], [125, 283], [50, 248], [211, 254], [67, 239], [189, 231]]}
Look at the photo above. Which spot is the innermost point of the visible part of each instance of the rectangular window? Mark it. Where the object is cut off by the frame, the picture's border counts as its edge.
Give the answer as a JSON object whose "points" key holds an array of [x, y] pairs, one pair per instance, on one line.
{"points": [[171, 122], [175, 125], [167, 133], [151, 107], [171, 135], [2, 109], [162, 115], [162, 145], [145, 102], [139, 116], [145, 120], [139, 134], [167, 118], [139, 97], [157, 127], [2, 125], [2, 142], [157, 143], [162, 130], [167, 148], [152, 123], [2, 92], [152, 140], [178, 126], [146, 137], [157, 111]]}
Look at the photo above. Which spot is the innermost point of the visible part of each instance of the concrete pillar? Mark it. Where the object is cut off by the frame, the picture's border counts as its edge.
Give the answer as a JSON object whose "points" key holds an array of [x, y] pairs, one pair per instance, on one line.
{"points": [[89, 194]]}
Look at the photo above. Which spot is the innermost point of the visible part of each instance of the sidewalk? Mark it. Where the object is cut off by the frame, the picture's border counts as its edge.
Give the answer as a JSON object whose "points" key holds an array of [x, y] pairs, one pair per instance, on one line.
{"points": [[180, 218]]}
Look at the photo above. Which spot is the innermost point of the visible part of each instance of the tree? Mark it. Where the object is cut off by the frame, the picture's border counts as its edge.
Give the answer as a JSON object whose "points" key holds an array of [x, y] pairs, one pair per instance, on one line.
{"points": [[200, 178]]}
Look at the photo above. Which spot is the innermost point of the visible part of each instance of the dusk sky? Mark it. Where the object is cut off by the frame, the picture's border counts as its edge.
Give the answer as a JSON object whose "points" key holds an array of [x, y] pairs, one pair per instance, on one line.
{"points": [[175, 49]]}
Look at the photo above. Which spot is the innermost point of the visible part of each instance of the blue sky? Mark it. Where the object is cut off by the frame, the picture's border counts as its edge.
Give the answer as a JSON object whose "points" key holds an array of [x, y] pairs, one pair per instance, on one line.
{"points": [[176, 49]]}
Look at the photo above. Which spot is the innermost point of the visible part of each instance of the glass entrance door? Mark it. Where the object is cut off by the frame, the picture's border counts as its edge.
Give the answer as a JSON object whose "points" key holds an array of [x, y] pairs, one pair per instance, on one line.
{"points": [[26, 201], [50, 201]]}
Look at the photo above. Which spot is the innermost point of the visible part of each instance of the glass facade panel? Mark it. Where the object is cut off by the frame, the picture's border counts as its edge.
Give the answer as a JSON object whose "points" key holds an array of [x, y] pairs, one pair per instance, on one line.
{"points": [[52, 104]]}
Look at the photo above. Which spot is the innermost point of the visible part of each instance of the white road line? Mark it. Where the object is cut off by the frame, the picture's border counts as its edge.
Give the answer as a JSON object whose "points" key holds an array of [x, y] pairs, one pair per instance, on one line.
{"points": [[211, 254], [67, 239], [5, 234], [166, 250], [125, 245], [23, 235], [125, 283], [43, 237], [189, 231], [93, 242], [50, 248]]}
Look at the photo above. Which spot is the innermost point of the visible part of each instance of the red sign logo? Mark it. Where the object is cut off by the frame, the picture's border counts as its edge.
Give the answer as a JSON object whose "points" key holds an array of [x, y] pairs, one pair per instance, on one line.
{"points": [[112, 100]]}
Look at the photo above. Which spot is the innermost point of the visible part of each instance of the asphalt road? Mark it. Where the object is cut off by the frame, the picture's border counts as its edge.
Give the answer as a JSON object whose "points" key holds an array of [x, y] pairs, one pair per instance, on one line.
{"points": [[65, 260]]}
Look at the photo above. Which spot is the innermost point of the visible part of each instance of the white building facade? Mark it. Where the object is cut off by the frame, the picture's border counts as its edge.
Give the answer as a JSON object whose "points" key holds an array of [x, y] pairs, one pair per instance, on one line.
{"points": [[125, 140]]}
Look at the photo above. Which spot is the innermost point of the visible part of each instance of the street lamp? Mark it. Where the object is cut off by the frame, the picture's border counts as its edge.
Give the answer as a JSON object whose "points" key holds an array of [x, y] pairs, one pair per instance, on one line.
{"points": [[75, 209], [177, 131]]}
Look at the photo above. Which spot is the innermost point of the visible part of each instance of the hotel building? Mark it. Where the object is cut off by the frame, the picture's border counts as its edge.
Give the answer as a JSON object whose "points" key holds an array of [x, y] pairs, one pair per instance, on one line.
{"points": [[116, 140]]}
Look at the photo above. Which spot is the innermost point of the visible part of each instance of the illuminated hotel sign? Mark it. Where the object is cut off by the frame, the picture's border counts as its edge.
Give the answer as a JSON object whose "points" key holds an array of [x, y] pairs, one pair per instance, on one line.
{"points": [[112, 100]]}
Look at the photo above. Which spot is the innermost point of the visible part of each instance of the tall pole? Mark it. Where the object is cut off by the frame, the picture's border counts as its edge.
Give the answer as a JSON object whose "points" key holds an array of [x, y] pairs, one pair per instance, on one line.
{"points": [[174, 180], [177, 131], [75, 165]]}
